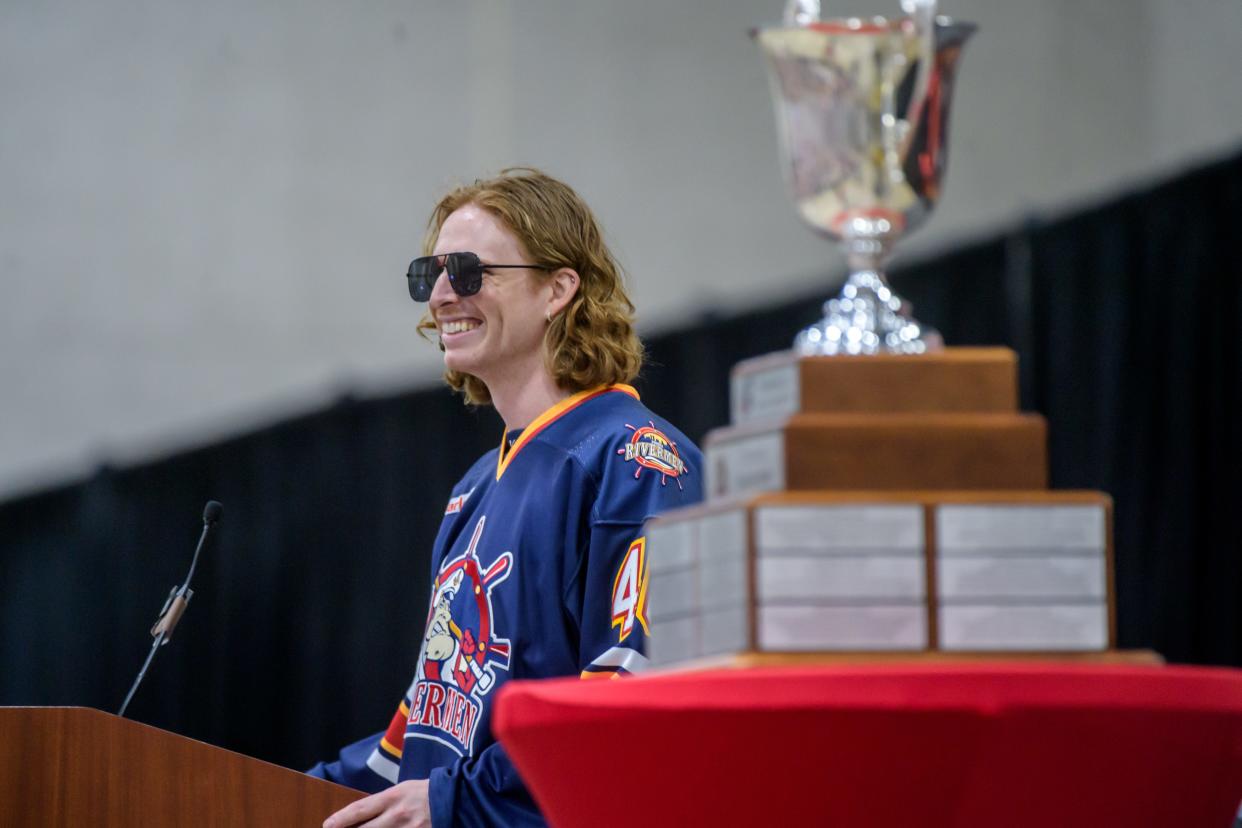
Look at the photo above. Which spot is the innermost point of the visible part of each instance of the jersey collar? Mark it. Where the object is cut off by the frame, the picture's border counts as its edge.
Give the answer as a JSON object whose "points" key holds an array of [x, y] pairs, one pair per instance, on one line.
{"points": [[551, 415]]}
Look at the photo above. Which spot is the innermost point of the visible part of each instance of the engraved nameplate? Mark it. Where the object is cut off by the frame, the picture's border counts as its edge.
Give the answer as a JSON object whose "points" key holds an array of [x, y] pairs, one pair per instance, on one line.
{"points": [[671, 545], [723, 631], [722, 535], [843, 627], [748, 464], [675, 639], [846, 528], [768, 392], [1038, 627], [997, 527], [973, 577], [673, 593], [695, 636], [853, 577], [722, 560]]}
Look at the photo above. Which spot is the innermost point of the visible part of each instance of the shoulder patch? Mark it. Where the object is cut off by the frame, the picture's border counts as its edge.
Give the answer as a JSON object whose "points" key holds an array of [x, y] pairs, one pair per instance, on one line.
{"points": [[650, 448]]}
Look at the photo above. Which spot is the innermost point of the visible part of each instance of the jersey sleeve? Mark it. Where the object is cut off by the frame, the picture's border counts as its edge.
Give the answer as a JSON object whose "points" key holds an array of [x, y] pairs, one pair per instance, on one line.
{"points": [[370, 764], [481, 791], [645, 472], [352, 767], [612, 594]]}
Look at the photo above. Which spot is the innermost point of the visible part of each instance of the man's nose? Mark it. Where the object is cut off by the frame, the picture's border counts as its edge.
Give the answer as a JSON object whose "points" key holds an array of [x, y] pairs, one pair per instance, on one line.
{"points": [[442, 292]]}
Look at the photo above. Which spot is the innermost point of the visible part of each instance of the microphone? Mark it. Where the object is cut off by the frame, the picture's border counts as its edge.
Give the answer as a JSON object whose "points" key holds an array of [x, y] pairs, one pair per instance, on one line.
{"points": [[178, 599]]}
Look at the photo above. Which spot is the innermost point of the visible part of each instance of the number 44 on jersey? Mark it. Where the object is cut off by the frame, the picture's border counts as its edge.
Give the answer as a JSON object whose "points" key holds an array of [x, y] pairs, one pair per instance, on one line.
{"points": [[629, 590]]}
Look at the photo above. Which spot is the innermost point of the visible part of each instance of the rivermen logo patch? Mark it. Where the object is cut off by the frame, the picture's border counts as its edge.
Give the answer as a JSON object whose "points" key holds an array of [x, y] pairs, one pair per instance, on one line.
{"points": [[651, 449], [461, 651]]}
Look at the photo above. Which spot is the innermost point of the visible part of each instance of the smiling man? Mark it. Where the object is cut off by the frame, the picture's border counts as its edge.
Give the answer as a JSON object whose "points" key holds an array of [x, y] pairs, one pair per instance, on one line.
{"points": [[539, 568]]}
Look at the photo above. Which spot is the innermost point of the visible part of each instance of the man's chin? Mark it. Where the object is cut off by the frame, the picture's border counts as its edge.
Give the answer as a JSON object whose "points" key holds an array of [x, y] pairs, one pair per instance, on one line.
{"points": [[456, 361]]}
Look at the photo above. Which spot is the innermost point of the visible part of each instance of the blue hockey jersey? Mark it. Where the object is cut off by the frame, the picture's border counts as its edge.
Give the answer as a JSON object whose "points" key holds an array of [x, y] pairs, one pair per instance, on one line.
{"points": [[539, 569]]}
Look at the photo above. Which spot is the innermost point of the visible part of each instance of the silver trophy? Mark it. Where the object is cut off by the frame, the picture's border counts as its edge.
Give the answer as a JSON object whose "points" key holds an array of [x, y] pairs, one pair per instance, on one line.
{"points": [[862, 107]]}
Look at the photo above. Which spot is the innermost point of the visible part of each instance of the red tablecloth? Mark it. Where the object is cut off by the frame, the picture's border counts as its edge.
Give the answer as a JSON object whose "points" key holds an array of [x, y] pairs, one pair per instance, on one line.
{"points": [[896, 745]]}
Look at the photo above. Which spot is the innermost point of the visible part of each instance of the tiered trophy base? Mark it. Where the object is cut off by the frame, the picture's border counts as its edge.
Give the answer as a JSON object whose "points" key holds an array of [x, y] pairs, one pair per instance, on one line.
{"points": [[881, 507], [952, 573]]}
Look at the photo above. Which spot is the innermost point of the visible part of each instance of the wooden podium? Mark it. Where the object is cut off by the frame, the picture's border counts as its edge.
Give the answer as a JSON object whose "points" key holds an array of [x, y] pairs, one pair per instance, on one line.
{"points": [[74, 766]]}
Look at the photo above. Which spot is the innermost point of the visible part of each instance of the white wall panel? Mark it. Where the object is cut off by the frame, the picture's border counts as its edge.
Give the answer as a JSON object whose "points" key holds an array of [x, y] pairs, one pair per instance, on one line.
{"points": [[206, 209]]}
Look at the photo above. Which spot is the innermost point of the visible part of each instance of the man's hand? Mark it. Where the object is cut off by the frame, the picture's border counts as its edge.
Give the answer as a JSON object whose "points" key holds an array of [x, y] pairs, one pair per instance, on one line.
{"points": [[404, 804]]}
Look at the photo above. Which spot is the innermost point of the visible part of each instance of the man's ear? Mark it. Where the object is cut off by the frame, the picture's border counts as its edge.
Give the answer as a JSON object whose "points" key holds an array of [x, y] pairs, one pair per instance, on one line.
{"points": [[564, 282]]}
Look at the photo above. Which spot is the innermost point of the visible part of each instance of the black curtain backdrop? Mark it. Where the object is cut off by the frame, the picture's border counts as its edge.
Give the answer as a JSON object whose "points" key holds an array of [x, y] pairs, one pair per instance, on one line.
{"points": [[309, 610]]}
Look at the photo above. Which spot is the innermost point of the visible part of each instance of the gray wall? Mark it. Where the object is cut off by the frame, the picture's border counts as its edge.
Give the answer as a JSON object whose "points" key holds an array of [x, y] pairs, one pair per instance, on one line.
{"points": [[206, 209]]}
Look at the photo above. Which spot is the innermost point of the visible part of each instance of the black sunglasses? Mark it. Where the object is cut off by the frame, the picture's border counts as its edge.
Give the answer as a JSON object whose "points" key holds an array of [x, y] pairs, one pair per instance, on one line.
{"points": [[465, 273]]}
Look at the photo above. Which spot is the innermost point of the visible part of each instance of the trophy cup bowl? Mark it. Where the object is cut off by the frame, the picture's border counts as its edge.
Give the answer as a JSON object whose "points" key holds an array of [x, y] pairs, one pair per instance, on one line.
{"points": [[862, 110]]}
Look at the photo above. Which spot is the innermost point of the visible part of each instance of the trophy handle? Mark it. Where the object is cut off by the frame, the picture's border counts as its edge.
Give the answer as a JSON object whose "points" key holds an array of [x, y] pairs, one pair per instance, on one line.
{"points": [[922, 14]]}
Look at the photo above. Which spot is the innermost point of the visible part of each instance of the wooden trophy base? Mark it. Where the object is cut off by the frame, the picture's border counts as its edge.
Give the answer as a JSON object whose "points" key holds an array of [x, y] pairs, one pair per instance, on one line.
{"points": [[961, 380], [901, 573], [879, 451], [881, 508]]}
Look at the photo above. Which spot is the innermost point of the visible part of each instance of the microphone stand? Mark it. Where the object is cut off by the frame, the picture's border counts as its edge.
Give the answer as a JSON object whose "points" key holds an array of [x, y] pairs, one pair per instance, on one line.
{"points": [[176, 603]]}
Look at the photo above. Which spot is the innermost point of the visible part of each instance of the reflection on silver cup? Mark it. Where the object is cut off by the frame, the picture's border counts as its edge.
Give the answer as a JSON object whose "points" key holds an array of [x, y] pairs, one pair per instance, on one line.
{"points": [[862, 109]]}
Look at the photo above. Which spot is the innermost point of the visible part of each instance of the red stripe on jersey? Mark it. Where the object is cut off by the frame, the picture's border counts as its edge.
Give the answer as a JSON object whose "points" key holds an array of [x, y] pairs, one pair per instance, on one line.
{"points": [[395, 735]]}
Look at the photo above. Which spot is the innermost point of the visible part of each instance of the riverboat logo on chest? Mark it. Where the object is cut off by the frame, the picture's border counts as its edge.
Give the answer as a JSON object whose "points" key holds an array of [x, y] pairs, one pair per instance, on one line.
{"points": [[651, 449], [461, 652]]}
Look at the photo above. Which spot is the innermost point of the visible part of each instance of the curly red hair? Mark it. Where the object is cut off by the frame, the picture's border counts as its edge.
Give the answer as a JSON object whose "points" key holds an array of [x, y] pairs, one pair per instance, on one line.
{"points": [[592, 341]]}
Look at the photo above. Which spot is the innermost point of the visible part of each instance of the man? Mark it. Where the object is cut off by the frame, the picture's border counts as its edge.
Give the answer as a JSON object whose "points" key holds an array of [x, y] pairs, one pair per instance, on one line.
{"points": [[539, 568]]}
